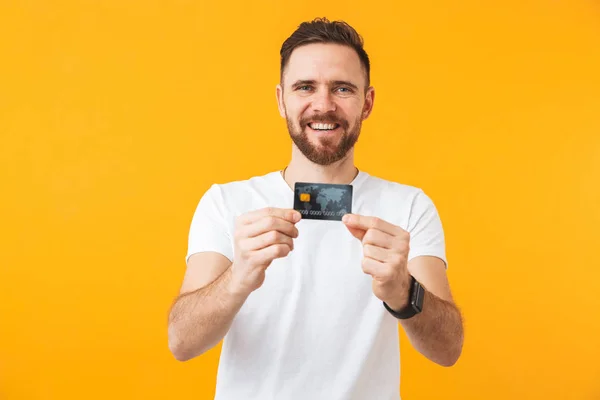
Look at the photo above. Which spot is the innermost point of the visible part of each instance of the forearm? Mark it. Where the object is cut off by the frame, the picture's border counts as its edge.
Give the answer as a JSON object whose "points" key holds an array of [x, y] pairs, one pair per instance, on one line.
{"points": [[436, 332], [200, 319]]}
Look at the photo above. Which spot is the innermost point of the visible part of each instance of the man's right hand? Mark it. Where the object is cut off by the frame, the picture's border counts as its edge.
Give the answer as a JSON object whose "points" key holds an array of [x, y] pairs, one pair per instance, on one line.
{"points": [[260, 237]]}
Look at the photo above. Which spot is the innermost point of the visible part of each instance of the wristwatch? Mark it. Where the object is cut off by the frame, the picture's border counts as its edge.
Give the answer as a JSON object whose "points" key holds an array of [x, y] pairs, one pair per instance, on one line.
{"points": [[415, 301]]}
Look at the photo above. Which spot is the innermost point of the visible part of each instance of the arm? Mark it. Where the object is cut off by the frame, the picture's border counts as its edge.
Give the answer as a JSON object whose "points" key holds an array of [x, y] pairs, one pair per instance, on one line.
{"points": [[202, 314], [437, 332], [214, 288]]}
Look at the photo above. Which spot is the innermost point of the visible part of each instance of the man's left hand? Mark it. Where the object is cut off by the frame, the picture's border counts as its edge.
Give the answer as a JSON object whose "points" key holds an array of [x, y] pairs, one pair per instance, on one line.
{"points": [[385, 250]]}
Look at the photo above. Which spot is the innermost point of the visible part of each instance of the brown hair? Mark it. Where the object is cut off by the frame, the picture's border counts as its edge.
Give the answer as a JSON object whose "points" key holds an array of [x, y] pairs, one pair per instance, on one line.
{"points": [[321, 30]]}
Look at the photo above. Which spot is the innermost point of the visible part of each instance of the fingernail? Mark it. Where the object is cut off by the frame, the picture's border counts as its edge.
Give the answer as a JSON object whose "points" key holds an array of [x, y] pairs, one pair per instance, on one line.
{"points": [[346, 218], [297, 216]]}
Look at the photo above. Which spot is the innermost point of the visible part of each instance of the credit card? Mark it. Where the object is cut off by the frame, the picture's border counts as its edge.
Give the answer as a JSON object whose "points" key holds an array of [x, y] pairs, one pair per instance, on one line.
{"points": [[324, 201]]}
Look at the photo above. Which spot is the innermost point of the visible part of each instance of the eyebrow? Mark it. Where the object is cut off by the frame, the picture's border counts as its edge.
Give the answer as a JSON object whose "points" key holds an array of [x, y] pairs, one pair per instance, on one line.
{"points": [[333, 83]]}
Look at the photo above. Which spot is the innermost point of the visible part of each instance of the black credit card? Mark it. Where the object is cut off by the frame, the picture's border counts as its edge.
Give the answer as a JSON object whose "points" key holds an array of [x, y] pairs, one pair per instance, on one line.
{"points": [[325, 201]]}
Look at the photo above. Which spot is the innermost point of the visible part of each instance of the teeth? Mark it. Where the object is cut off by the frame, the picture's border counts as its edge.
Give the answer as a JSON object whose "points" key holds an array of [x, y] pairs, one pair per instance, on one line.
{"points": [[319, 126]]}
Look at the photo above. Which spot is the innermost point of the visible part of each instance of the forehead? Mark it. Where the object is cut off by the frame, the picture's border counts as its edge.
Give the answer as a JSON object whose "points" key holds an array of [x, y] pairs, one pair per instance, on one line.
{"points": [[324, 62]]}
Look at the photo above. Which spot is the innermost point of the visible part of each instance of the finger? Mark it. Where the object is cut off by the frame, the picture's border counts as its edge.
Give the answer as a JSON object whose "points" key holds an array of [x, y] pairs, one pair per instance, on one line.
{"points": [[267, 239], [366, 222], [373, 267], [267, 224], [378, 238], [357, 233], [386, 256], [376, 253], [284, 213], [268, 254]]}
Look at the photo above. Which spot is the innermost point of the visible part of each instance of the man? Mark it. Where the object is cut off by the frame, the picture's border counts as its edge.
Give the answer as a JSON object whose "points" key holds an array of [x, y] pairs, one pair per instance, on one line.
{"points": [[310, 309]]}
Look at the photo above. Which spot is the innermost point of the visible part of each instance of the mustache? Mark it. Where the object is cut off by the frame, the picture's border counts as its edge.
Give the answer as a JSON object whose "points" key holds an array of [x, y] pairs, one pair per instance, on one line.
{"points": [[328, 118]]}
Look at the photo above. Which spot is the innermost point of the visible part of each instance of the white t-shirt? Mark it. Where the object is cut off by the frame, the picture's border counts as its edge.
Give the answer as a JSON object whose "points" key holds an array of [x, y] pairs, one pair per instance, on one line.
{"points": [[314, 329]]}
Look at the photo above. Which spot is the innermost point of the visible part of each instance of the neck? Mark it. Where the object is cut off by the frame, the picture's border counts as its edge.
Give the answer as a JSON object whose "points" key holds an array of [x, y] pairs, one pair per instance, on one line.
{"points": [[300, 169]]}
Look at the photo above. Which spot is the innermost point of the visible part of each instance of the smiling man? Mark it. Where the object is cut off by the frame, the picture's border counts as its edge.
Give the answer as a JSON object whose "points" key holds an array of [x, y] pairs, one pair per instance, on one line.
{"points": [[317, 76], [310, 309]]}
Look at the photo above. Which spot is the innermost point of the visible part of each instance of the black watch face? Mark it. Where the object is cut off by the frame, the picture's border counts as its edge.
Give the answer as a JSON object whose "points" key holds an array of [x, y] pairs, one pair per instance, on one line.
{"points": [[417, 297]]}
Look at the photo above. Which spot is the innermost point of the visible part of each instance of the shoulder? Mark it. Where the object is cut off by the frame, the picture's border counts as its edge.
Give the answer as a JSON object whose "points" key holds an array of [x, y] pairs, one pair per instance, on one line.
{"points": [[399, 200], [395, 191], [241, 186], [237, 195]]}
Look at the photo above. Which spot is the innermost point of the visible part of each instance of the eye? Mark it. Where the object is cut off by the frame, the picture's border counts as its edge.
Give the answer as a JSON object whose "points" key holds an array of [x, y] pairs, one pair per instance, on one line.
{"points": [[304, 87], [345, 89]]}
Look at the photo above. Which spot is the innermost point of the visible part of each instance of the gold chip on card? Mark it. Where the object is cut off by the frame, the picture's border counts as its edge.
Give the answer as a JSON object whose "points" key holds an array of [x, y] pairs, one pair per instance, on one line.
{"points": [[304, 196]]}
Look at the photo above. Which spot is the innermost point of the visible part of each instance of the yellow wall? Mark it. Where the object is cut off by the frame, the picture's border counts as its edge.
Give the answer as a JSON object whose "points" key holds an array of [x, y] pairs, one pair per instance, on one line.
{"points": [[115, 117]]}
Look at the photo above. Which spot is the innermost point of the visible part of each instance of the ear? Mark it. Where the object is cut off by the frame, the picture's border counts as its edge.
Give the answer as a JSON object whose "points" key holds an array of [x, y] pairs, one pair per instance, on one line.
{"points": [[280, 104], [369, 101]]}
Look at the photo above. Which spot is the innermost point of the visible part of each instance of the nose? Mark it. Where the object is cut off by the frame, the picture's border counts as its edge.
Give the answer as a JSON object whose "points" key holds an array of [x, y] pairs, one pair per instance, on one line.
{"points": [[323, 102]]}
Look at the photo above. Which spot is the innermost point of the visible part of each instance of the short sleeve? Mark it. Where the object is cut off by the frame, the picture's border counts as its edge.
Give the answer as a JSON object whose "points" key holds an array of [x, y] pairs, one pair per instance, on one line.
{"points": [[425, 228], [209, 230]]}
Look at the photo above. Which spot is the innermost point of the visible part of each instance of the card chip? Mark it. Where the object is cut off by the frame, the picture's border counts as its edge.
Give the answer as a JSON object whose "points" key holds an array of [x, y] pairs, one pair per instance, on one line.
{"points": [[304, 196]]}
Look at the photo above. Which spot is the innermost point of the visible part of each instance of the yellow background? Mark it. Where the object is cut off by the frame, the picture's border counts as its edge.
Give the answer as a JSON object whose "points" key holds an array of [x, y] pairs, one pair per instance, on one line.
{"points": [[116, 116]]}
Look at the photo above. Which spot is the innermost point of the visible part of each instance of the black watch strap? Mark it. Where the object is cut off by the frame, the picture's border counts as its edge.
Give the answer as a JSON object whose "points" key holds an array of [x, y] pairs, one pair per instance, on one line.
{"points": [[415, 302]]}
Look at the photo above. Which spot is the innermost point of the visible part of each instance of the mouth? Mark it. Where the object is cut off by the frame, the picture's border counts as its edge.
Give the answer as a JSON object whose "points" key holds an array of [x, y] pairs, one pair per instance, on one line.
{"points": [[321, 127]]}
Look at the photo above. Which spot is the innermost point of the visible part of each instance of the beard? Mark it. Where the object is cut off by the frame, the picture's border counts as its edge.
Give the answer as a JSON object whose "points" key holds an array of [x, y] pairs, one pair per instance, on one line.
{"points": [[329, 149]]}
